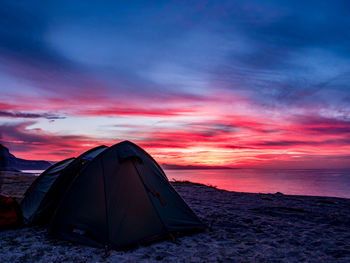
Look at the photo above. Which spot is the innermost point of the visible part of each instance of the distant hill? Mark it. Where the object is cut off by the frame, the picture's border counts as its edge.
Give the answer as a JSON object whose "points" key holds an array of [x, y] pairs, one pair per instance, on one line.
{"points": [[9, 162]]}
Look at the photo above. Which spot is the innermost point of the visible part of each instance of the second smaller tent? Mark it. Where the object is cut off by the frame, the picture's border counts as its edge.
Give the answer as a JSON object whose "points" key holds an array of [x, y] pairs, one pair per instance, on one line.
{"points": [[42, 197]]}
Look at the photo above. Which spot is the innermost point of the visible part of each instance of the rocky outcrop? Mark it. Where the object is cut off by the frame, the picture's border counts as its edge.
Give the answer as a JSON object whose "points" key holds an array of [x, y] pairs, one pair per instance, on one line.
{"points": [[9, 162]]}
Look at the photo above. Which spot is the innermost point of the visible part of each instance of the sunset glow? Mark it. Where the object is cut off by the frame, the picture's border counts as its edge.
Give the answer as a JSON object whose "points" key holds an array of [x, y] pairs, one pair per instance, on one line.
{"points": [[239, 86]]}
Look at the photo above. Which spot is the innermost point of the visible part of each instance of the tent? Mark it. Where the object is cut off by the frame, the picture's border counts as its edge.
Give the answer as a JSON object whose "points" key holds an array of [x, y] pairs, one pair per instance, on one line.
{"points": [[121, 198], [43, 196], [10, 213]]}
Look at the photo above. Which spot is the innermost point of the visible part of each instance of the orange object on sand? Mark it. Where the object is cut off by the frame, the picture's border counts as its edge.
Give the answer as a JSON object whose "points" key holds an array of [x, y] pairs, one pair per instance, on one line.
{"points": [[10, 213]]}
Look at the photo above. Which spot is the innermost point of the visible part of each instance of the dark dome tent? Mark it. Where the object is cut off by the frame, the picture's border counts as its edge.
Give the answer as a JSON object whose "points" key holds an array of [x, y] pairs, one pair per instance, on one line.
{"points": [[42, 197], [121, 198]]}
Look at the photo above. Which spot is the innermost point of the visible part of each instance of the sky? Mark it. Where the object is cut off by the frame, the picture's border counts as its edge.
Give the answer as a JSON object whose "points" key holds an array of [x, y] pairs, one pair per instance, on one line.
{"points": [[195, 83]]}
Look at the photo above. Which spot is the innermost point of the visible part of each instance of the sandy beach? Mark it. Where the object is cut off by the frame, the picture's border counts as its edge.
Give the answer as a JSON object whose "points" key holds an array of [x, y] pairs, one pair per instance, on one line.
{"points": [[246, 227]]}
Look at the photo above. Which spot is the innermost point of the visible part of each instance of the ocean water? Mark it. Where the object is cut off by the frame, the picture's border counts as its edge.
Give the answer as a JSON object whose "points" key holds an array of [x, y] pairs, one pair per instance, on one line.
{"points": [[318, 182]]}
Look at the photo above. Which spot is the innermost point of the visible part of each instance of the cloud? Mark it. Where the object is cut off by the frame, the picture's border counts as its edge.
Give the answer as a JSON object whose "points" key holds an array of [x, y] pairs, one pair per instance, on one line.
{"points": [[260, 50], [38, 144], [210, 82], [323, 126], [289, 143], [135, 111], [30, 115]]}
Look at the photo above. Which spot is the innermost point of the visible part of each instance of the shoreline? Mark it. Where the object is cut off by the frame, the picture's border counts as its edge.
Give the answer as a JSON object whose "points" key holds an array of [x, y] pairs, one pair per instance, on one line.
{"points": [[246, 227], [180, 182]]}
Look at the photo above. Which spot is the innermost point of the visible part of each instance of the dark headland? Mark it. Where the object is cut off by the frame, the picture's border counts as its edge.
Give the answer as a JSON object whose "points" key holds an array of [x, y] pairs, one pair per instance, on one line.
{"points": [[9, 162]]}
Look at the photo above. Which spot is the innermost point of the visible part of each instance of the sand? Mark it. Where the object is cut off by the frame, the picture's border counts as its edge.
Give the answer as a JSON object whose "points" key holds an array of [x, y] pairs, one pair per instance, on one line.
{"points": [[246, 227]]}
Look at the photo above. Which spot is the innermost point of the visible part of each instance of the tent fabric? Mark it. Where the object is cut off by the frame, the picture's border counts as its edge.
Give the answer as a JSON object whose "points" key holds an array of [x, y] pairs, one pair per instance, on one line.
{"points": [[120, 198], [43, 197], [39, 188], [10, 213]]}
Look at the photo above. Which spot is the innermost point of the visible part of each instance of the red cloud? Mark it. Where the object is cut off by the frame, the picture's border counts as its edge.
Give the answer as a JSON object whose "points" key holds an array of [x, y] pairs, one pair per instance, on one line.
{"points": [[134, 111], [37, 144], [217, 138]]}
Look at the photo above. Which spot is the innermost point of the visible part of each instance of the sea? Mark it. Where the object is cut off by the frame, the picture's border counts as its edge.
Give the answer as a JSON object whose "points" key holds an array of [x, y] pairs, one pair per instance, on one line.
{"points": [[316, 182]]}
